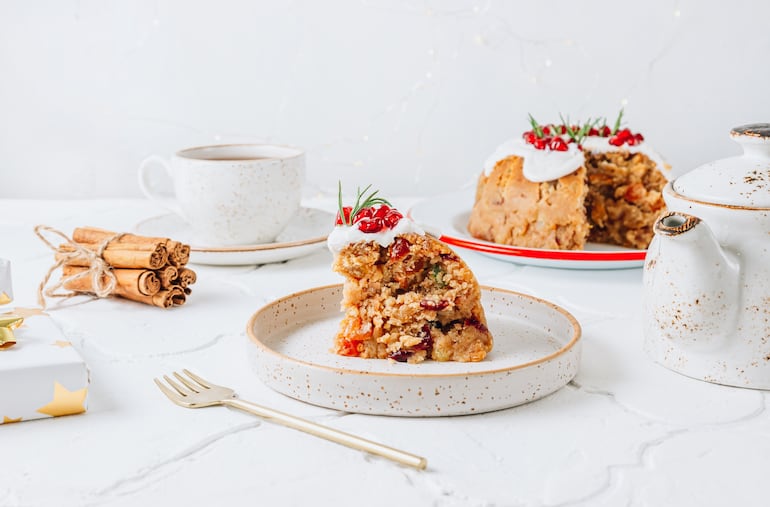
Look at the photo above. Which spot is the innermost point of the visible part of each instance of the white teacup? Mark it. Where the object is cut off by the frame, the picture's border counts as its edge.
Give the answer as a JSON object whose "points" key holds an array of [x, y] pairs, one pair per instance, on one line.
{"points": [[235, 194]]}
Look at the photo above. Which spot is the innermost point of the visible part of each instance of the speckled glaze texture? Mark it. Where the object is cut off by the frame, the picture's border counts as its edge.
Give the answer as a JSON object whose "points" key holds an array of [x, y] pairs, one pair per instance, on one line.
{"points": [[537, 351], [232, 194], [707, 279]]}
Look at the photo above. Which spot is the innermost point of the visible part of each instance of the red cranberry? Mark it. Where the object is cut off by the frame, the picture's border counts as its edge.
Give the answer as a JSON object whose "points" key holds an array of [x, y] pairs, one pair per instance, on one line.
{"points": [[593, 131], [392, 218], [362, 214], [558, 144], [529, 137], [541, 143], [547, 131], [616, 141], [624, 134], [370, 225], [399, 249], [427, 339], [639, 138], [400, 355], [346, 210], [473, 321], [382, 211], [605, 131]]}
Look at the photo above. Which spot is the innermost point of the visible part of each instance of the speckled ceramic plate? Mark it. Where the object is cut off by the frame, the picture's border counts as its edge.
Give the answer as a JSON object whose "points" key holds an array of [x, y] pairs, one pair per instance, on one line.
{"points": [[449, 215], [305, 233], [536, 352]]}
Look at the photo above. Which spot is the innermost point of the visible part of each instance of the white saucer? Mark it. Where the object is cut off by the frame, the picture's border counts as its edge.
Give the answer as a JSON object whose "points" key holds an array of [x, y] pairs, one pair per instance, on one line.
{"points": [[305, 233]]}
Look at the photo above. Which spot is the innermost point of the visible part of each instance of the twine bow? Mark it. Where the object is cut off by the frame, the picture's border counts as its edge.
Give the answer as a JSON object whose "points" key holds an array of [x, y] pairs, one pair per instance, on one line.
{"points": [[103, 280]]}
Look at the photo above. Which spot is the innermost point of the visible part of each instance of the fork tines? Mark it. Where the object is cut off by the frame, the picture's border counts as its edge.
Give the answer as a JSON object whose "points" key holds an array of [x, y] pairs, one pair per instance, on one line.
{"points": [[191, 384]]}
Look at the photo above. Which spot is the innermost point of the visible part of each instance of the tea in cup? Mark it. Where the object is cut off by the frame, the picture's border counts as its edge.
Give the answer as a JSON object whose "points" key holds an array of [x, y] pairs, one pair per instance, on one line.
{"points": [[235, 194]]}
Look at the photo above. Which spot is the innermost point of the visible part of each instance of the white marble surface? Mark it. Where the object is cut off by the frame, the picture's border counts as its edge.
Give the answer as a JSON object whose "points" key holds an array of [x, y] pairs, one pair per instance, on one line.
{"points": [[625, 432], [394, 92]]}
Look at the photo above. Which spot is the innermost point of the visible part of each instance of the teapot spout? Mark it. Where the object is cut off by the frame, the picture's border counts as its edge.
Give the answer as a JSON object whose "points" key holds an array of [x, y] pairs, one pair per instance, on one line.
{"points": [[691, 283], [675, 223]]}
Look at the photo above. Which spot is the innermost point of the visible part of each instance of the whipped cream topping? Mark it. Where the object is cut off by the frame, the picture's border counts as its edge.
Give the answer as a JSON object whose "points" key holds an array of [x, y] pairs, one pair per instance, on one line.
{"points": [[539, 165], [547, 165], [344, 235]]}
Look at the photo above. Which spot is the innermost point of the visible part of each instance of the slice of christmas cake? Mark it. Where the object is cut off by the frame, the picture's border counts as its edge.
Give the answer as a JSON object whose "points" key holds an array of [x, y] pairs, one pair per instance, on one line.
{"points": [[407, 296]]}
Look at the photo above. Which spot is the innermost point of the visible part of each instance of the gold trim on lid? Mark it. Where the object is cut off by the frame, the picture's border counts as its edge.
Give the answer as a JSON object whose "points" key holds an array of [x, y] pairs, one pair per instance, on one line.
{"points": [[760, 130]]}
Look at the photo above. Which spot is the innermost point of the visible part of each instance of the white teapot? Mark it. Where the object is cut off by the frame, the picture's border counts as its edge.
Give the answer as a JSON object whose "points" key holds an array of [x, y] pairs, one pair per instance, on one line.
{"points": [[707, 270]]}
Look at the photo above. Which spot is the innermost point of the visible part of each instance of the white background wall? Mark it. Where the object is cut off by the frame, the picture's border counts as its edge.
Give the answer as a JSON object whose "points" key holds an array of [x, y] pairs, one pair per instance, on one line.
{"points": [[410, 95]]}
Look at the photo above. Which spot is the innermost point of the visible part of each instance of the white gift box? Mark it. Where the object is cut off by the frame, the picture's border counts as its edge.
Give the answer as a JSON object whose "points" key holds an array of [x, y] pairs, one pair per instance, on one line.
{"points": [[6, 288], [42, 375]]}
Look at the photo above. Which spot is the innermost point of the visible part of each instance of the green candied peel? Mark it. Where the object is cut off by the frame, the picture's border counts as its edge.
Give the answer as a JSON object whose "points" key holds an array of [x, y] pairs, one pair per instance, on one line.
{"points": [[438, 275]]}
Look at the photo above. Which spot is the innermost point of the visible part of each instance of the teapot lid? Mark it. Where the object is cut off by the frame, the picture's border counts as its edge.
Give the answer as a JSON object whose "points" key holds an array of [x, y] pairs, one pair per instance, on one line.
{"points": [[735, 181]]}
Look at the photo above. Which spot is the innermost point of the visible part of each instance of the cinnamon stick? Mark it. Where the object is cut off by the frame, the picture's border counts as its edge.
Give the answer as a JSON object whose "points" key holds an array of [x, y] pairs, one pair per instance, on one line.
{"points": [[167, 275], [122, 255], [186, 277], [178, 253], [165, 298], [130, 282], [146, 281], [96, 235]]}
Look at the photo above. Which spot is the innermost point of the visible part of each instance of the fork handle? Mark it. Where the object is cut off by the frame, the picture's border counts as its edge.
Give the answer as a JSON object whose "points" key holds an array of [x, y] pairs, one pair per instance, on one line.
{"points": [[328, 433]]}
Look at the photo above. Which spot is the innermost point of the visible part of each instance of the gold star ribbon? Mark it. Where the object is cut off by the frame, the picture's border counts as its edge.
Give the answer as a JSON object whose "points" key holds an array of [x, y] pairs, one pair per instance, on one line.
{"points": [[7, 324]]}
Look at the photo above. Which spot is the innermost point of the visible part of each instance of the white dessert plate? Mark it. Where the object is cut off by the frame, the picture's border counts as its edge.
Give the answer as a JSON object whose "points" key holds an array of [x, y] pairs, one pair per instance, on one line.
{"points": [[449, 215], [305, 233], [536, 351]]}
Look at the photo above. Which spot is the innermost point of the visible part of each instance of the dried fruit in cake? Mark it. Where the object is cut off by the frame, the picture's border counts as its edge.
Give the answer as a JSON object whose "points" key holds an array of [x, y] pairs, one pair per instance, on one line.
{"points": [[562, 185], [406, 296]]}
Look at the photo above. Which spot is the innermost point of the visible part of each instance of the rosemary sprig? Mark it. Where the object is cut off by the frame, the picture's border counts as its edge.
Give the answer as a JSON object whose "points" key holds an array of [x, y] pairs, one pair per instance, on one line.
{"points": [[587, 128], [580, 134], [536, 128], [567, 126], [617, 122], [362, 201], [340, 209]]}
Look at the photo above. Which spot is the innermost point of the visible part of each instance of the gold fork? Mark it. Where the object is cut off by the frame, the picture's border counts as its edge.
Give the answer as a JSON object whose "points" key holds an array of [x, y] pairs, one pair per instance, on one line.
{"points": [[194, 392]]}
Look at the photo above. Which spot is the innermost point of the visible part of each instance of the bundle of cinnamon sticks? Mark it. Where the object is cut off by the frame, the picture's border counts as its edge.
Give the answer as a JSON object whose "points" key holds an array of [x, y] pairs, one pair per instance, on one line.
{"points": [[147, 270]]}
